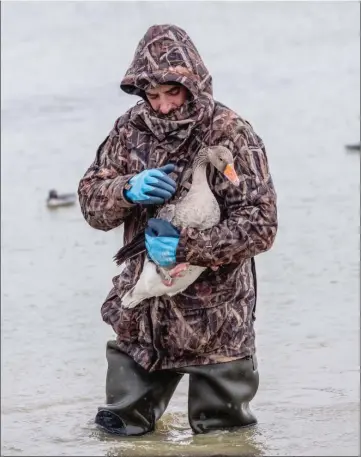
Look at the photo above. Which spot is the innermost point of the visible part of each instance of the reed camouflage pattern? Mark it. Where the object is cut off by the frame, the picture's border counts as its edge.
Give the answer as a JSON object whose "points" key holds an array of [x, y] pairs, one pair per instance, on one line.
{"points": [[212, 320]]}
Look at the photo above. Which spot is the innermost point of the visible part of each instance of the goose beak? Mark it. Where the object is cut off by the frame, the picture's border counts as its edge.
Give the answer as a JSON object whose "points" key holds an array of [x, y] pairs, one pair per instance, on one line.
{"points": [[230, 173]]}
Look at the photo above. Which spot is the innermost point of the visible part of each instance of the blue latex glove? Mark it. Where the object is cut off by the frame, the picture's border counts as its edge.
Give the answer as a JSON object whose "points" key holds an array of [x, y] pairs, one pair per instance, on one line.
{"points": [[151, 187], [161, 241]]}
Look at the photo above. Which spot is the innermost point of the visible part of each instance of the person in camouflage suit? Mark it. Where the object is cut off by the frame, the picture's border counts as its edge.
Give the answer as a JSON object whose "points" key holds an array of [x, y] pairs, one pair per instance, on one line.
{"points": [[208, 330]]}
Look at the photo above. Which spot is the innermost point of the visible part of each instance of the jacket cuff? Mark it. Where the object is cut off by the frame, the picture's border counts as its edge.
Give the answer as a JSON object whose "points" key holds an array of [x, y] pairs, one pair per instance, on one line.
{"points": [[182, 251], [194, 247], [119, 186]]}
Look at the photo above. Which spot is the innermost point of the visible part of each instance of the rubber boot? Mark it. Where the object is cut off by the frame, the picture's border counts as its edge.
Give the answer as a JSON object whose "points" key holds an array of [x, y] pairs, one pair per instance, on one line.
{"points": [[219, 395], [135, 399]]}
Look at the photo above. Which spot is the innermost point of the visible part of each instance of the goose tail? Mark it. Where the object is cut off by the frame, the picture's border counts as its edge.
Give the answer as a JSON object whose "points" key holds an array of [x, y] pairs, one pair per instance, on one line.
{"points": [[130, 250]]}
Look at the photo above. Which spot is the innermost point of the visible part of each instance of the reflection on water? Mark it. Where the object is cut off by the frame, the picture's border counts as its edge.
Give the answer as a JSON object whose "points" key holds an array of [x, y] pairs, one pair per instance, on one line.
{"points": [[173, 437]]}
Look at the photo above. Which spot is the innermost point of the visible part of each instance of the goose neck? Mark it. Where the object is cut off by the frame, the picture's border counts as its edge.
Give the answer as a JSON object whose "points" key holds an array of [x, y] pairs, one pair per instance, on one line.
{"points": [[200, 169]]}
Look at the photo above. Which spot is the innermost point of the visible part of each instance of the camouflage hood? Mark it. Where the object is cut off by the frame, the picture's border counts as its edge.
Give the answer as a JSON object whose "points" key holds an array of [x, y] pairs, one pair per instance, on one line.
{"points": [[166, 54]]}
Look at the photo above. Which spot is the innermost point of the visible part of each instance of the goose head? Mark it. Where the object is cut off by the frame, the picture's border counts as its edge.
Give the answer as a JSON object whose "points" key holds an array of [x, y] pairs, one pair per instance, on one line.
{"points": [[222, 159], [53, 193]]}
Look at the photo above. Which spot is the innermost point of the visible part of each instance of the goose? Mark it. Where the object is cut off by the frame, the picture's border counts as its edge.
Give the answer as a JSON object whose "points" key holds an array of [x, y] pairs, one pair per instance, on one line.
{"points": [[55, 200], [353, 147], [198, 209]]}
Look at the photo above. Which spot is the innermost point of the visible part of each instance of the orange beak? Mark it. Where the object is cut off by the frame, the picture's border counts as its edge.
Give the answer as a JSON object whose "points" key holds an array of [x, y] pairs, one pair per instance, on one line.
{"points": [[231, 174]]}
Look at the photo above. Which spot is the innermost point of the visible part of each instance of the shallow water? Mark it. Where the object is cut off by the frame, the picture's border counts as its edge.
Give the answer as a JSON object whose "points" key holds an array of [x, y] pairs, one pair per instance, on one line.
{"points": [[292, 69]]}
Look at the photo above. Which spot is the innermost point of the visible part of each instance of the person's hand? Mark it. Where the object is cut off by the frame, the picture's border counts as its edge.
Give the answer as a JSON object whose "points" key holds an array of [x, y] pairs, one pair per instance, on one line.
{"points": [[161, 241], [151, 187]]}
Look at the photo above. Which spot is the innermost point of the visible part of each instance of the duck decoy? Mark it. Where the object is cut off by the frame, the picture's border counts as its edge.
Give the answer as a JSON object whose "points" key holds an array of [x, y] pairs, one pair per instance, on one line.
{"points": [[55, 200], [198, 209], [353, 147]]}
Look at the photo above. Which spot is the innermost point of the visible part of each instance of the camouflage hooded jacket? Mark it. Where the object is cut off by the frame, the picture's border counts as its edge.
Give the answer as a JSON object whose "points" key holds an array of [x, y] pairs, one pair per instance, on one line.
{"points": [[212, 320]]}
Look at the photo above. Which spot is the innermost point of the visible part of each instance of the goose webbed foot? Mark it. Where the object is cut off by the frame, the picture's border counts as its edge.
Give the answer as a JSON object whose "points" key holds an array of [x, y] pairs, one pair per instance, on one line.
{"points": [[176, 272]]}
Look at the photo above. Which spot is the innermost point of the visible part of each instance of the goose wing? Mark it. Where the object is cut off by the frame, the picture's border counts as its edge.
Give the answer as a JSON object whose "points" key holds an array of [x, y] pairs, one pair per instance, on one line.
{"points": [[137, 245]]}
